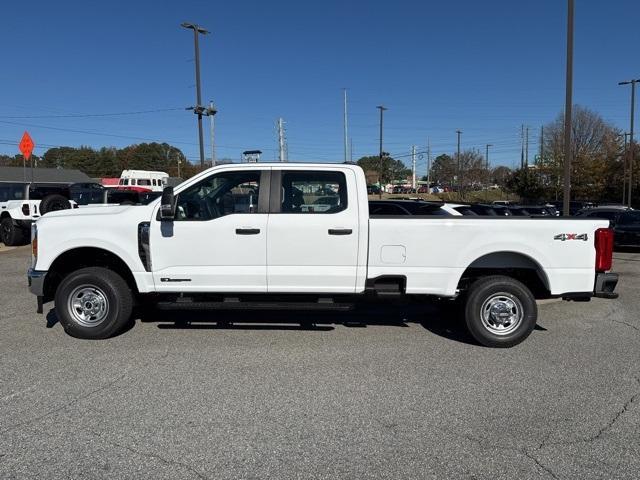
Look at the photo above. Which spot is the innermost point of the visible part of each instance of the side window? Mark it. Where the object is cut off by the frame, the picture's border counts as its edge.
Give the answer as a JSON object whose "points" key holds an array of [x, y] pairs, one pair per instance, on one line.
{"points": [[219, 195], [144, 181], [313, 192]]}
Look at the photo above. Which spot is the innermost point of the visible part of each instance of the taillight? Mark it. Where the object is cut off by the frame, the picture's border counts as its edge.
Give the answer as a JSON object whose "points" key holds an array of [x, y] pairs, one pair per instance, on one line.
{"points": [[25, 209], [604, 249]]}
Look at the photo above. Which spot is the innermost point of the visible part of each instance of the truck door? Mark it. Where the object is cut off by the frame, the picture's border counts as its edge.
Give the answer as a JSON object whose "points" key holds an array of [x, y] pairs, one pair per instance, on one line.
{"points": [[312, 241], [217, 241]]}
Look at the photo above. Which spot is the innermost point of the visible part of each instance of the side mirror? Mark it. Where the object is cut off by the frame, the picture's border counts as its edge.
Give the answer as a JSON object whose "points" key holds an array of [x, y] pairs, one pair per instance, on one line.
{"points": [[167, 204]]}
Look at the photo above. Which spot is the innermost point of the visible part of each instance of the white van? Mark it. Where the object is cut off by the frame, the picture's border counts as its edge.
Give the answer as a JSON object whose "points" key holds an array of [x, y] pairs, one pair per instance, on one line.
{"points": [[143, 180]]}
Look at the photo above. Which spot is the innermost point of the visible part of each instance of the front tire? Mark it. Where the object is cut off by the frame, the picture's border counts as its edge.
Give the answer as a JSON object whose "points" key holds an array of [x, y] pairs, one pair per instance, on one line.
{"points": [[11, 234], [93, 303], [500, 311]]}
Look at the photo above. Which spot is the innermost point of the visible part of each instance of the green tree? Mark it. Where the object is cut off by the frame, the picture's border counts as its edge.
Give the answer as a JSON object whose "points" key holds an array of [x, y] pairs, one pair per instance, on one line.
{"points": [[526, 183], [391, 169], [443, 169], [595, 146], [110, 161], [500, 175]]}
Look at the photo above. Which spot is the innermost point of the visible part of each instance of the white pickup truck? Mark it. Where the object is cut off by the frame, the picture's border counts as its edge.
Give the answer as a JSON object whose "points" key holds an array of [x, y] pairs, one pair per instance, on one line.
{"points": [[21, 203], [300, 236]]}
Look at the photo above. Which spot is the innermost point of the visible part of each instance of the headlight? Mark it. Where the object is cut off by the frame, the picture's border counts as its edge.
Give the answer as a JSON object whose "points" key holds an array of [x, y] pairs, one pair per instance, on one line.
{"points": [[34, 244]]}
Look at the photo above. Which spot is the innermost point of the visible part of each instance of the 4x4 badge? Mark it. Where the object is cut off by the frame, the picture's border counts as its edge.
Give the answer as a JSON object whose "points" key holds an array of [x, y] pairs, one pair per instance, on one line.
{"points": [[571, 236]]}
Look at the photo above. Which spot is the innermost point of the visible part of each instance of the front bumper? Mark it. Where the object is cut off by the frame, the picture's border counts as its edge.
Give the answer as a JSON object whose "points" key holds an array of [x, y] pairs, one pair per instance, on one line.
{"points": [[605, 285]]}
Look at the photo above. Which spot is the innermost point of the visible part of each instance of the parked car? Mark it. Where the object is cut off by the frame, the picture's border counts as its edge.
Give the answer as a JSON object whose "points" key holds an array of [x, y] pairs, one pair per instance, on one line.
{"points": [[531, 211], [574, 206], [481, 209], [373, 189], [143, 180], [406, 207], [190, 250], [624, 221], [401, 189]]}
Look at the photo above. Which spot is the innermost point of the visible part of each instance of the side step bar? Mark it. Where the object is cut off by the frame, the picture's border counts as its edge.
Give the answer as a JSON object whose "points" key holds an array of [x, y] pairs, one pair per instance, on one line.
{"points": [[237, 305]]}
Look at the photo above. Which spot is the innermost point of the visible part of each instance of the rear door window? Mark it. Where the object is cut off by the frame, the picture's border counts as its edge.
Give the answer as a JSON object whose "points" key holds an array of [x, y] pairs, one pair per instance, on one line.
{"points": [[313, 192]]}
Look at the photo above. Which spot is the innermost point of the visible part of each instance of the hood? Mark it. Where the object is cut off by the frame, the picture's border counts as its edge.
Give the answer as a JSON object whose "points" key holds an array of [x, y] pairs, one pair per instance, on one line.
{"points": [[90, 210]]}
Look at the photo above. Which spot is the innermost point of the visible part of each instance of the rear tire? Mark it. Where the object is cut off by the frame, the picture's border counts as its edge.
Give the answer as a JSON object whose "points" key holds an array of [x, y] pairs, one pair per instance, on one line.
{"points": [[500, 311], [54, 202], [11, 234], [93, 303]]}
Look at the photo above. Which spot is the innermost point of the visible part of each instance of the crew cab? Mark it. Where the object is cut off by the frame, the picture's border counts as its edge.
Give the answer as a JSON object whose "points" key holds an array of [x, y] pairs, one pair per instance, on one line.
{"points": [[301, 236]]}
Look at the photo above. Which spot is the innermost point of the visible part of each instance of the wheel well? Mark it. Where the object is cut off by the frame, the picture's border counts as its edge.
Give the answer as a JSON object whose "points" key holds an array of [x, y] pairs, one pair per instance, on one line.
{"points": [[4, 215], [510, 264], [78, 258]]}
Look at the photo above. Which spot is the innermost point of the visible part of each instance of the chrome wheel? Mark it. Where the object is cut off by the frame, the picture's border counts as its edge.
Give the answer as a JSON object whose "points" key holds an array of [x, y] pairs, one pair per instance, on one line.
{"points": [[88, 305], [501, 313]]}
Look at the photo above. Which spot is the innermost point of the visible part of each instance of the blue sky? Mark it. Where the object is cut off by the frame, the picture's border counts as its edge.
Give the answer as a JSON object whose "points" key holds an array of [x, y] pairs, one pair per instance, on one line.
{"points": [[482, 67]]}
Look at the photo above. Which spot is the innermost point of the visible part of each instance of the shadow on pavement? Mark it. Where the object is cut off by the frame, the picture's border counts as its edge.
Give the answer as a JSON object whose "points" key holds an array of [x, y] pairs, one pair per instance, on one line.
{"points": [[432, 318]]}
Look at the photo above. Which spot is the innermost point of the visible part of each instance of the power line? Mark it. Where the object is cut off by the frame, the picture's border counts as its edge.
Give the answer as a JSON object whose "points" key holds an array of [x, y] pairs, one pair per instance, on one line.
{"points": [[86, 115]]}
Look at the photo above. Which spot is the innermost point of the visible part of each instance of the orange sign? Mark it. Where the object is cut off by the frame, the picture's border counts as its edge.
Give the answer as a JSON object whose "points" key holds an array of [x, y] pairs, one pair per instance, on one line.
{"points": [[26, 145]]}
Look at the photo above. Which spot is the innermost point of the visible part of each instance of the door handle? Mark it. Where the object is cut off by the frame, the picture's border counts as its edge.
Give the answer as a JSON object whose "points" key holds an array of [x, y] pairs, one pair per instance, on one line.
{"points": [[247, 231], [340, 231]]}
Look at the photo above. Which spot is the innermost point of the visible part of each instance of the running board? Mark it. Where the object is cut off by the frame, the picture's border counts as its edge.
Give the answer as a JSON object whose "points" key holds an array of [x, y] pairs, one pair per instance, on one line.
{"points": [[237, 305]]}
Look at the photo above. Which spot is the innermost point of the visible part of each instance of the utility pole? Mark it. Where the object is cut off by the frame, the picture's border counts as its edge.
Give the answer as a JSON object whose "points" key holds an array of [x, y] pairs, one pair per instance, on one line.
{"points": [[631, 146], [428, 165], [526, 151], [541, 160], [346, 148], [624, 170], [413, 167], [351, 149], [486, 156], [568, 112], [198, 109], [522, 146], [211, 111], [281, 141], [459, 182], [382, 109], [486, 159]]}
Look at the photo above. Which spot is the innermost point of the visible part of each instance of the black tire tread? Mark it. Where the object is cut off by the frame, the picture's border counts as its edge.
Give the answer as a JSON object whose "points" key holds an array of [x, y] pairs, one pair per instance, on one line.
{"points": [[119, 289], [17, 235], [476, 295], [50, 200]]}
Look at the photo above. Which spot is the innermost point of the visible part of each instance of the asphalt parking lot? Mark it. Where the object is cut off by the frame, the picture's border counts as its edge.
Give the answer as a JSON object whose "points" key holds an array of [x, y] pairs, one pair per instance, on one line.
{"points": [[382, 393]]}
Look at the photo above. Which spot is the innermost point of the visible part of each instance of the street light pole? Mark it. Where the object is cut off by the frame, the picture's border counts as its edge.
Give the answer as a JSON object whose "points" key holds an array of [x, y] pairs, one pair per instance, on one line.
{"points": [[486, 157], [382, 109], [459, 182], [631, 152], [624, 170], [568, 112], [198, 109]]}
